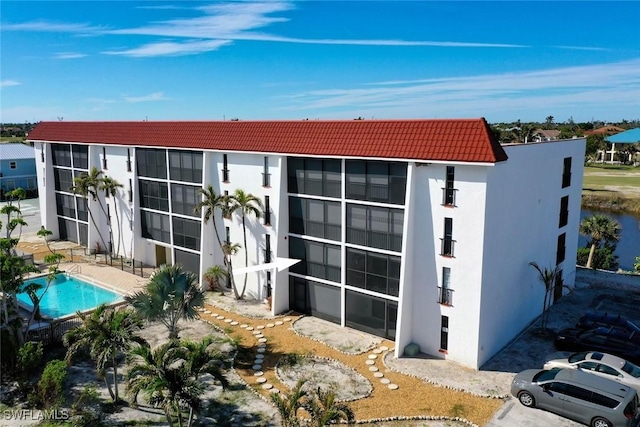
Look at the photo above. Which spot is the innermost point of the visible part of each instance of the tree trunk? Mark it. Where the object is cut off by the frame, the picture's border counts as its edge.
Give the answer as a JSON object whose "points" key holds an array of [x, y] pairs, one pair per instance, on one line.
{"points": [[246, 256], [115, 376], [592, 252], [115, 207], [106, 382], [190, 420], [93, 221]]}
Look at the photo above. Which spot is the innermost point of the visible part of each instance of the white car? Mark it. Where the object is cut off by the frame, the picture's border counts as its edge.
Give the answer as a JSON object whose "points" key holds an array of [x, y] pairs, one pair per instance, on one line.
{"points": [[602, 364]]}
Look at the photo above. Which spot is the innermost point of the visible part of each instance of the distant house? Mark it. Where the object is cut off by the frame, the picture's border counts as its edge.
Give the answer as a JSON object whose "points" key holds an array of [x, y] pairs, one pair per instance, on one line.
{"points": [[18, 168], [543, 135], [605, 130]]}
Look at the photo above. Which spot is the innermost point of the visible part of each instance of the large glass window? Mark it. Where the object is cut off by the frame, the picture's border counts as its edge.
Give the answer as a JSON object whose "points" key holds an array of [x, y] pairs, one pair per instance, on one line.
{"points": [[189, 261], [318, 299], [318, 259], [566, 172], [67, 230], [564, 211], [154, 195], [155, 226], [83, 210], [376, 181], [65, 205], [375, 227], [63, 179], [314, 176], [315, 218], [61, 154], [184, 199], [185, 166], [374, 272], [151, 162], [186, 233], [80, 156], [370, 314]]}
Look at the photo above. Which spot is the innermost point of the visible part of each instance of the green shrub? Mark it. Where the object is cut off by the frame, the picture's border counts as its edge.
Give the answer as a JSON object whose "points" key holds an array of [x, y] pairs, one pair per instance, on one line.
{"points": [[603, 258], [50, 389], [28, 360]]}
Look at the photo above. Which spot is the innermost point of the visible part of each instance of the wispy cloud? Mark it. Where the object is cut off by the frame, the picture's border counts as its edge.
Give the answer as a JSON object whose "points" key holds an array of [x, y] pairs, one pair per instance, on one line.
{"points": [[7, 83], [152, 97], [227, 22], [171, 48], [54, 27], [616, 82], [582, 48], [69, 55]]}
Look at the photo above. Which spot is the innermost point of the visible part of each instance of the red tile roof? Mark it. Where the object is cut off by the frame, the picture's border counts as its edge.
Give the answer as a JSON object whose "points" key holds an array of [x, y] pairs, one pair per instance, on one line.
{"points": [[465, 140]]}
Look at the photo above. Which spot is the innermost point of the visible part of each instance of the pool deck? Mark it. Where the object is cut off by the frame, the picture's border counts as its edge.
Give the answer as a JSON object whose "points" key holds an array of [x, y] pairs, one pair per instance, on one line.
{"points": [[106, 276]]}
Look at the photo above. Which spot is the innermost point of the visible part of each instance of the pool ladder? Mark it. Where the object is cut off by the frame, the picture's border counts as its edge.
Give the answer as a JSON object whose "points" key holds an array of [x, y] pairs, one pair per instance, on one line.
{"points": [[75, 268]]}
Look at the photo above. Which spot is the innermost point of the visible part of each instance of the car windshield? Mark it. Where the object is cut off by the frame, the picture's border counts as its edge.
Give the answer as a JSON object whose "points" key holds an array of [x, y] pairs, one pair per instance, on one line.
{"points": [[577, 357], [545, 375], [631, 369]]}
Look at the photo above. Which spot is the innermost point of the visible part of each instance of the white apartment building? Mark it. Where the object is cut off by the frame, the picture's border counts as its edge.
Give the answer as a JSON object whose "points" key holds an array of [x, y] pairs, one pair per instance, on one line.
{"points": [[420, 231]]}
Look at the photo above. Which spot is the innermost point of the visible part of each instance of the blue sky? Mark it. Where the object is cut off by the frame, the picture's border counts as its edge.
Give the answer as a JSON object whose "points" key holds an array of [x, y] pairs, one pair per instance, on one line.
{"points": [[183, 60]]}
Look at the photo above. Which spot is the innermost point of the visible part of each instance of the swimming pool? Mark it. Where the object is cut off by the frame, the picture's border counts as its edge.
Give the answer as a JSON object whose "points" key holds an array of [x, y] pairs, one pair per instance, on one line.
{"points": [[66, 295]]}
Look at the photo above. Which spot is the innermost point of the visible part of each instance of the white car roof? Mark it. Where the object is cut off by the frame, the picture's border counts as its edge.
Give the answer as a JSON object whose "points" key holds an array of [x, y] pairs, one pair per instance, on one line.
{"points": [[607, 359]]}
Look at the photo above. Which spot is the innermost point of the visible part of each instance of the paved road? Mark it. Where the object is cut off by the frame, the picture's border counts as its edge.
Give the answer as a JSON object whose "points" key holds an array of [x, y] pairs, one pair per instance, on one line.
{"points": [[513, 414]]}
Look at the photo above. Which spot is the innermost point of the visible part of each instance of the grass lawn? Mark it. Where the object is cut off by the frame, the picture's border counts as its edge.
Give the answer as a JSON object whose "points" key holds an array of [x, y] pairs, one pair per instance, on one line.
{"points": [[11, 139], [612, 180]]}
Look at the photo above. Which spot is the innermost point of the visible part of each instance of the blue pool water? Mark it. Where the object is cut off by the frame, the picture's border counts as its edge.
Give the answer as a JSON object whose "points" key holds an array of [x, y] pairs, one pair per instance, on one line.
{"points": [[66, 295]]}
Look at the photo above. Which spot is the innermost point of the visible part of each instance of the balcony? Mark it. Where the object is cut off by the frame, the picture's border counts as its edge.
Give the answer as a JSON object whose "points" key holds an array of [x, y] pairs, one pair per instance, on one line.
{"points": [[449, 196], [446, 247], [266, 179], [445, 296]]}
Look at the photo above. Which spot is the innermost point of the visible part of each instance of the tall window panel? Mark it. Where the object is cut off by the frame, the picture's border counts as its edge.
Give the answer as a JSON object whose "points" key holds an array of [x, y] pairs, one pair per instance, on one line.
{"points": [[155, 226], [65, 205], [375, 227], [83, 209], [319, 260], [449, 191], [185, 166], [376, 181], [566, 172], [151, 163], [564, 211], [186, 233], [189, 261], [371, 314], [63, 179], [316, 218], [154, 195], [316, 177], [373, 271], [184, 199], [80, 156], [447, 241], [61, 154]]}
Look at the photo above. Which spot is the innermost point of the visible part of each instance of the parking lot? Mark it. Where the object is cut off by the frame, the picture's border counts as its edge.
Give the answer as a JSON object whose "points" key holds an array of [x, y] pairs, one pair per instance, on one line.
{"points": [[531, 348]]}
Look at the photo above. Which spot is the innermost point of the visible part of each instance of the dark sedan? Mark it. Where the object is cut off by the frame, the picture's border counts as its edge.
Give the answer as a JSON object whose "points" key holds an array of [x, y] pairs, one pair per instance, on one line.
{"points": [[599, 339], [615, 321]]}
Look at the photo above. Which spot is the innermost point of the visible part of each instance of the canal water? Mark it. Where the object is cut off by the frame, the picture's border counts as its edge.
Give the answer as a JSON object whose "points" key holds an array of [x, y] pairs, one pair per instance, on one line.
{"points": [[629, 245]]}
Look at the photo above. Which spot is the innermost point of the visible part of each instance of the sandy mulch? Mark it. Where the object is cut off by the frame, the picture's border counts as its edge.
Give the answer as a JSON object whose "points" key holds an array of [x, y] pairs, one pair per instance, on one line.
{"points": [[413, 397]]}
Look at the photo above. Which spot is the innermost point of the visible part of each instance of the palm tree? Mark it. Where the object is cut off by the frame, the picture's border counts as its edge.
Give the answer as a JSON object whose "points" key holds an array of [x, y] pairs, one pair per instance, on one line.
{"points": [[105, 332], [324, 409], [170, 295], [229, 250], [288, 404], [168, 376], [212, 203], [111, 186], [202, 359], [248, 205], [87, 185], [599, 229], [548, 277], [214, 275]]}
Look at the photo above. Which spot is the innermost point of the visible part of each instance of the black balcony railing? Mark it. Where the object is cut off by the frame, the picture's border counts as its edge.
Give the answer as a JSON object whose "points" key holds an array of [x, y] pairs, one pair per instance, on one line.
{"points": [[266, 179], [447, 247], [225, 175], [449, 196], [445, 296]]}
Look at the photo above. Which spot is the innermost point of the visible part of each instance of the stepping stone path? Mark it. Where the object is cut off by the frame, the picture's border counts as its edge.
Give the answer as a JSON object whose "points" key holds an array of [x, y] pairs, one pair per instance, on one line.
{"points": [[261, 349], [371, 360]]}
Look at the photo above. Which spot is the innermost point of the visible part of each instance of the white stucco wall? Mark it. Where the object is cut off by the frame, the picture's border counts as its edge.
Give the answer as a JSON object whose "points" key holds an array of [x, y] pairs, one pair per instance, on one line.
{"points": [[46, 189], [522, 216], [424, 263]]}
